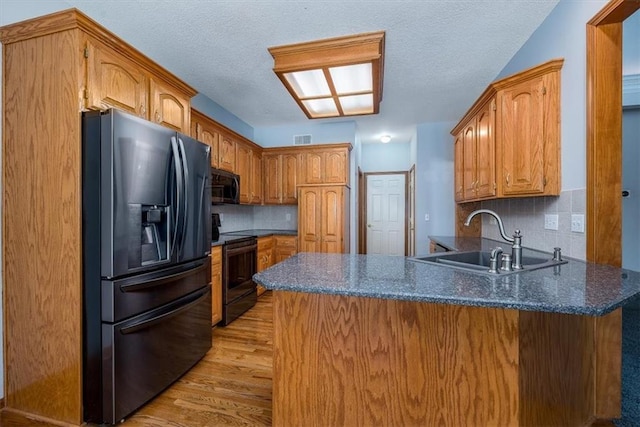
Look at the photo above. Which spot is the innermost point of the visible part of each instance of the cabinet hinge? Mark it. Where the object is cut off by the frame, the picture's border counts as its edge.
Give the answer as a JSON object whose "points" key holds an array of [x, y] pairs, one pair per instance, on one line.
{"points": [[544, 182], [86, 52], [544, 90], [85, 93], [493, 105]]}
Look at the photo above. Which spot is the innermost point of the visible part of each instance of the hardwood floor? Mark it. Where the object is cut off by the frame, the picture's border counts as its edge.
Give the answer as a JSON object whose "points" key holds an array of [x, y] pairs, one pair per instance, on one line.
{"points": [[230, 386]]}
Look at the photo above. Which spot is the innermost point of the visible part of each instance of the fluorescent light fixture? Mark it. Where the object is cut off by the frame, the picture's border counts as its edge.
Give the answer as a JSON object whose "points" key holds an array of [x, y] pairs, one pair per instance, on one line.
{"points": [[334, 77], [385, 138]]}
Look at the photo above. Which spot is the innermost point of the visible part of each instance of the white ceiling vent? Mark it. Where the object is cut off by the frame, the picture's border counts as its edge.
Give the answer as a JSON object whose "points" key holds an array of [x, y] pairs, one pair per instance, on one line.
{"points": [[301, 139]]}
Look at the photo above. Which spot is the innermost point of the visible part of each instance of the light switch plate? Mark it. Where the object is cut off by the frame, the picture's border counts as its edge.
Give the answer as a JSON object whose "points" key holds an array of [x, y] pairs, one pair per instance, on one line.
{"points": [[551, 222]]}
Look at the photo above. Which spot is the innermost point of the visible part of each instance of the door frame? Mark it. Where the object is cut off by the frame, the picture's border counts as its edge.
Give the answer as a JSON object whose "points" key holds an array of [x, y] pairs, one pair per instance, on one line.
{"points": [[362, 211], [604, 187]]}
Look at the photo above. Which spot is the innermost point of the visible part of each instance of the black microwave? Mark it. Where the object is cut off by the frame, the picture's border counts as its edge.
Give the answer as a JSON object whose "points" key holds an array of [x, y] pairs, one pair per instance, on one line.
{"points": [[225, 187]]}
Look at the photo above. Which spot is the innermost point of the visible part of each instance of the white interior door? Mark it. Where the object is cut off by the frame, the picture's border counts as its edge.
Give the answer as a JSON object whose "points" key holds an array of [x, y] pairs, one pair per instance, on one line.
{"points": [[386, 214]]}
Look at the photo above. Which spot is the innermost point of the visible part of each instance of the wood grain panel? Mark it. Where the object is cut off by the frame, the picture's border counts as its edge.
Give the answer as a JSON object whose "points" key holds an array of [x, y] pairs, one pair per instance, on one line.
{"points": [[604, 182], [168, 106], [608, 365], [604, 144], [360, 361], [42, 226], [216, 284], [556, 365]]}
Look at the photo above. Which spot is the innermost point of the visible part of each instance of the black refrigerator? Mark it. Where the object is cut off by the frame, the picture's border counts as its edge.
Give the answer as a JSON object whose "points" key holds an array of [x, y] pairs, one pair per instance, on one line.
{"points": [[146, 200]]}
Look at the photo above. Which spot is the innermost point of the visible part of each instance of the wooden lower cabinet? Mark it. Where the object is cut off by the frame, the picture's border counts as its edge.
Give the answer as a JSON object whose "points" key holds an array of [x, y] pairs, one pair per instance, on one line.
{"points": [[323, 218], [265, 256], [216, 284], [285, 247]]}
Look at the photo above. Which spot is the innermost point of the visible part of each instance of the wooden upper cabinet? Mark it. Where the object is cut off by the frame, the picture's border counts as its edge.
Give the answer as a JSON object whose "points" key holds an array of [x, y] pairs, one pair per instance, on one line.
{"points": [[281, 178], [243, 168], [249, 168], [508, 143], [522, 137], [336, 167], [168, 107], [227, 154], [256, 178], [204, 133], [486, 151], [469, 160], [459, 167], [114, 82], [328, 165]]}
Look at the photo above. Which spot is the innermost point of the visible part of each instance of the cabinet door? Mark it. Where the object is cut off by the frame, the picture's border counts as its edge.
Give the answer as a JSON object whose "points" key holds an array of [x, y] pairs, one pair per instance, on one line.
{"points": [[272, 174], [209, 137], [113, 81], [459, 167], [469, 163], [227, 154], [521, 139], [332, 219], [216, 284], [289, 179], [265, 257], [243, 168], [335, 167], [284, 247], [309, 219], [256, 178], [485, 151], [168, 107], [312, 166]]}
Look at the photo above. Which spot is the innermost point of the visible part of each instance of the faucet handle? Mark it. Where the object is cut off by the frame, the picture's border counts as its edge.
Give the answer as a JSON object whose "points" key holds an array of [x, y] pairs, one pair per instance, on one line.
{"points": [[517, 233]]}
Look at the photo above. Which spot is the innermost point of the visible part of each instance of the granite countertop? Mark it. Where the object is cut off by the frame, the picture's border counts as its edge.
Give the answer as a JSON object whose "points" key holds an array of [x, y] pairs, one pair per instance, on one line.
{"points": [[574, 288], [234, 235]]}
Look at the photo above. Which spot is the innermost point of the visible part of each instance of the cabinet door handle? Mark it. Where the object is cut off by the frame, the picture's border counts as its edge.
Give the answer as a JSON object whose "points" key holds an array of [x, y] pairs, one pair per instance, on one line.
{"points": [[143, 110], [157, 117], [507, 178]]}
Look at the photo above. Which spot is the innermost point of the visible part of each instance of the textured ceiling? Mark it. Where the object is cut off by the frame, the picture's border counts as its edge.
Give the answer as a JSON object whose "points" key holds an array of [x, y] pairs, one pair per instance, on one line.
{"points": [[439, 55]]}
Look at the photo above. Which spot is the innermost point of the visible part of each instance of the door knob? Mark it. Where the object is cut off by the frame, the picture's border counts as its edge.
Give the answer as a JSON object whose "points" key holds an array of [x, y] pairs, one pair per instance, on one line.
{"points": [[369, 225]]}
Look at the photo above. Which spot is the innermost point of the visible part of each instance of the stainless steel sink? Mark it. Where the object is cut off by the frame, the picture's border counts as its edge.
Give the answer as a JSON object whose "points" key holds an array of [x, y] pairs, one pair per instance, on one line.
{"points": [[478, 262]]}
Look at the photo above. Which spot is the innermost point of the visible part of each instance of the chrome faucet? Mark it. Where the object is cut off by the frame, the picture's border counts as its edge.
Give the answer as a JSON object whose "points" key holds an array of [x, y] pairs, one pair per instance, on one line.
{"points": [[516, 240]]}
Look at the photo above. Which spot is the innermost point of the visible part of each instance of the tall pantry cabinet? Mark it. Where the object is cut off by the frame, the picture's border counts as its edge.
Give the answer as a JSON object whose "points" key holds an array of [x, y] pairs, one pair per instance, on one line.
{"points": [[54, 67]]}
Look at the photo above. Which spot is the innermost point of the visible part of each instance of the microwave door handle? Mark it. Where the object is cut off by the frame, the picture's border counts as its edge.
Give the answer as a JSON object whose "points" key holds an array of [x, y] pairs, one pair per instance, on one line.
{"points": [[185, 172], [236, 188], [179, 186]]}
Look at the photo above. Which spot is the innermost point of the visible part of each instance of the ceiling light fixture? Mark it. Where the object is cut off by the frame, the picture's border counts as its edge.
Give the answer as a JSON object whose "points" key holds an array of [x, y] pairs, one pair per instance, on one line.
{"points": [[334, 77], [385, 138]]}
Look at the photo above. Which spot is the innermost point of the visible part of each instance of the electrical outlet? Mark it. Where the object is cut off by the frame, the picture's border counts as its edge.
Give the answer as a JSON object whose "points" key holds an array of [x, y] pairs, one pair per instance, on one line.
{"points": [[577, 223], [221, 217], [288, 216], [426, 217], [551, 222]]}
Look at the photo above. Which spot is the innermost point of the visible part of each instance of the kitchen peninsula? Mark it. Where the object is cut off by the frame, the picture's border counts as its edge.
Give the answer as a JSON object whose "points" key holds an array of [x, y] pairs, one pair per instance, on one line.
{"points": [[365, 339]]}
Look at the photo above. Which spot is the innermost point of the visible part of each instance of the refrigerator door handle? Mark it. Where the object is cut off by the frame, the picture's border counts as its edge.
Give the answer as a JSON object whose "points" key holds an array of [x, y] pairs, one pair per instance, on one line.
{"points": [[185, 172], [145, 284], [144, 324], [179, 189]]}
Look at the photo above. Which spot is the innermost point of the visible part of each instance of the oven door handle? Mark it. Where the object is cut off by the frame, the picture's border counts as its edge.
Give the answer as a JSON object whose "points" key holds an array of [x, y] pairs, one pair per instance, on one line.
{"points": [[144, 324], [241, 249], [145, 284]]}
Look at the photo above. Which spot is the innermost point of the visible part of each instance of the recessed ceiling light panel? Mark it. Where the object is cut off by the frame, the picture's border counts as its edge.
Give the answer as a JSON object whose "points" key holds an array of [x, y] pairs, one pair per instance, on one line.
{"points": [[334, 77]]}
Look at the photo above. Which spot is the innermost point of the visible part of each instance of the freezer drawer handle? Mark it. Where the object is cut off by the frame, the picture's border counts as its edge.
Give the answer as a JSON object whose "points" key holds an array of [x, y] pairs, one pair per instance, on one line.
{"points": [[133, 287], [166, 316]]}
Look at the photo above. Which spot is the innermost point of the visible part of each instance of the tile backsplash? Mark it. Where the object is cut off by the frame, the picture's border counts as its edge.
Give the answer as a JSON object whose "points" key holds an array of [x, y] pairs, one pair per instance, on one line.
{"points": [[246, 217], [528, 215]]}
